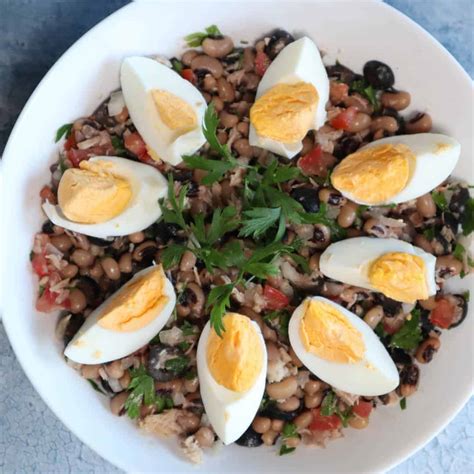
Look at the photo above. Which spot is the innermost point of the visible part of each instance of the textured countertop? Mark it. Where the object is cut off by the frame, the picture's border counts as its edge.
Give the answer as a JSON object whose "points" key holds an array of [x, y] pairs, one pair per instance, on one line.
{"points": [[33, 35]]}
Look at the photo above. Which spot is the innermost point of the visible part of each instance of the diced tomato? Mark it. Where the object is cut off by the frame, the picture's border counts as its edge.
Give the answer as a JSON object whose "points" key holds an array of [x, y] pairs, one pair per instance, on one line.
{"points": [[362, 408], [70, 142], [76, 156], [262, 61], [275, 298], [46, 194], [323, 423], [47, 302], [189, 75], [344, 119], [311, 162], [40, 265], [443, 314]]}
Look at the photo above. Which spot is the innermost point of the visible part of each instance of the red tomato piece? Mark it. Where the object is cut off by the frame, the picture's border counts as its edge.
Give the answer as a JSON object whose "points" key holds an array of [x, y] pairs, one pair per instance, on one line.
{"points": [[46, 194], [47, 302], [344, 119], [262, 61], [188, 74], [70, 142], [311, 162], [275, 298], [323, 423], [362, 408], [443, 314], [40, 265]]}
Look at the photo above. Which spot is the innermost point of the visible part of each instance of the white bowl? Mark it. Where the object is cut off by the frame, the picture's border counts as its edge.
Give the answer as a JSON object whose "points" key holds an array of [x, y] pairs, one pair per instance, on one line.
{"points": [[354, 32]]}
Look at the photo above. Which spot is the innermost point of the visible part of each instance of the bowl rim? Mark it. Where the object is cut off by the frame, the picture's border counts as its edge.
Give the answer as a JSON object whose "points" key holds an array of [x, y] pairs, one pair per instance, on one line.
{"points": [[423, 438]]}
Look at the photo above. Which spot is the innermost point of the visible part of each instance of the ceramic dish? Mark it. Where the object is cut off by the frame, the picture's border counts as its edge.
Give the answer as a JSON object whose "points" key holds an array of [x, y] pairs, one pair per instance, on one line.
{"points": [[77, 83]]}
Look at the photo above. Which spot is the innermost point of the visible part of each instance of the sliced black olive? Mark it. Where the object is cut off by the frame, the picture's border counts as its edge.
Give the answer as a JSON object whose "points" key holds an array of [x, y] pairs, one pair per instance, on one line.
{"points": [[400, 357], [460, 312], [162, 232], [73, 324], [378, 75], [390, 307], [272, 411], [450, 221], [100, 242], [91, 290], [278, 40], [409, 375], [342, 73], [47, 227], [346, 146], [156, 365], [459, 200], [250, 439], [307, 197]]}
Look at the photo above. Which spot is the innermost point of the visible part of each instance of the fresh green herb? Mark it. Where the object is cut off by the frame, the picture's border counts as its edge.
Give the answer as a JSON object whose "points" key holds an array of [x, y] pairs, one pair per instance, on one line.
{"points": [[285, 450], [162, 402], [320, 217], [266, 402], [440, 200], [209, 129], [329, 407], [216, 168], [175, 214], [62, 165], [171, 255], [380, 331], [190, 374], [409, 335], [95, 386], [258, 220], [467, 218], [367, 91], [188, 329], [459, 252], [429, 233], [403, 403], [290, 431], [219, 301], [117, 143], [195, 39], [177, 65], [142, 388], [279, 320], [184, 346], [177, 364], [470, 261], [223, 221], [32, 254], [361, 209], [41, 290], [63, 131], [467, 296]]}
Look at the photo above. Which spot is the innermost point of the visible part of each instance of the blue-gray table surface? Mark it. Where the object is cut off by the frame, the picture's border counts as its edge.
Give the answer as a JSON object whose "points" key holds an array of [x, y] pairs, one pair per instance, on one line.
{"points": [[33, 34]]}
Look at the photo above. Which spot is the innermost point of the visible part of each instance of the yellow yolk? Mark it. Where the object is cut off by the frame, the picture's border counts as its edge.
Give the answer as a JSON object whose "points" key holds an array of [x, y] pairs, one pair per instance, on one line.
{"points": [[327, 333], [285, 113], [235, 359], [374, 175], [175, 113], [92, 194], [137, 303], [400, 276]]}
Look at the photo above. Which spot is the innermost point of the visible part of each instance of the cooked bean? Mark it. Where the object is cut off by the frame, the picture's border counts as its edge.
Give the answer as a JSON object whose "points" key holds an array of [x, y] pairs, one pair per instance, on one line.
{"points": [[137, 237], [69, 271], [277, 425], [269, 437], [191, 385], [289, 404], [222, 137], [426, 206], [294, 358], [292, 442], [354, 232], [303, 420], [242, 147], [269, 334], [125, 379], [361, 104], [96, 250], [117, 403], [251, 81], [347, 215], [197, 303], [125, 263], [261, 424], [248, 59], [228, 120], [218, 47], [448, 266], [313, 401], [322, 236], [421, 241], [218, 104], [188, 261], [374, 316], [175, 385], [374, 227], [225, 90], [273, 353], [207, 97], [111, 268], [243, 128], [188, 56], [361, 122], [396, 100], [58, 230], [421, 123], [77, 301], [209, 83], [358, 422], [331, 196], [427, 349], [96, 271], [284, 389], [114, 369], [205, 437], [183, 310], [409, 377], [428, 304], [62, 242], [188, 421], [314, 262], [82, 258], [203, 62], [387, 123], [143, 250], [90, 371], [312, 386]]}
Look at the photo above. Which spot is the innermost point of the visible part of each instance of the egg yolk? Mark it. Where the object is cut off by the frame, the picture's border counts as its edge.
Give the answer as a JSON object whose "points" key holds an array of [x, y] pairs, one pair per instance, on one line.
{"points": [[236, 359], [327, 333], [400, 276], [374, 175], [92, 194], [285, 112], [175, 113], [136, 304]]}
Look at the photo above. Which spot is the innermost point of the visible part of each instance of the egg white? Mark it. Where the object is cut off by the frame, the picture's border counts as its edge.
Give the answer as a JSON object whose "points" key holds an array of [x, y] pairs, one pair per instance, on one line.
{"points": [[349, 260], [375, 374], [230, 413], [148, 187], [138, 77], [94, 344], [300, 61], [432, 165]]}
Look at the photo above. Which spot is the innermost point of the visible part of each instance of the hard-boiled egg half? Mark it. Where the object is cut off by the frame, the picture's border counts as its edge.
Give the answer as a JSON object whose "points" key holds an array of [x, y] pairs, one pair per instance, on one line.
{"points": [[291, 99], [393, 267], [126, 321], [166, 109], [232, 371], [108, 196], [341, 349], [396, 169]]}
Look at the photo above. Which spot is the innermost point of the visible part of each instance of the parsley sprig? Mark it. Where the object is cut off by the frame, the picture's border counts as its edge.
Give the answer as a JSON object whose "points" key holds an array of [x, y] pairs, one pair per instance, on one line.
{"points": [[367, 91], [195, 39], [329, 407], [289, 431], [409, 335]]}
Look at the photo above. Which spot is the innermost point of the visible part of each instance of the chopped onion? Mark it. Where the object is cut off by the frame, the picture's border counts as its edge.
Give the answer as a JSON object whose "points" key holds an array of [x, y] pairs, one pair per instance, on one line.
{"points": [[116, 103]]}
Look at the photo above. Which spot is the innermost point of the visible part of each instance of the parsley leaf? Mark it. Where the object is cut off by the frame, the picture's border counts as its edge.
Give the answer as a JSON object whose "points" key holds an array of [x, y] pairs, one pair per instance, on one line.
{"points": [[219, 301], [258, 220], [329, 407], [177, 364], [223, 221], [440, 200], [175, 214], [429, 233], [142, 388], [285, 450], [209, 130], [188, 329], [467, 218], [171, 255], [162, 402], [409, 335], [459, 252], [289, 431], [63, 131], [367, 91], [195, 39], [177, 65], [403, 403], [279, 320], [117, 143], [217, 168]]}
